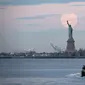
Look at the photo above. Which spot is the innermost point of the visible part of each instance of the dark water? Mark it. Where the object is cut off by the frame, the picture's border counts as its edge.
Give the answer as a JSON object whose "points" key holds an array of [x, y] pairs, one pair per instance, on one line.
{"points": [[41, 72]]}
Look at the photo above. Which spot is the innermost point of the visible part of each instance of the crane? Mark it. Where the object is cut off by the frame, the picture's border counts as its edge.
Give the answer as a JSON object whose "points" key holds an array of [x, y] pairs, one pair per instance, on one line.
{"points": [[56, 48]]}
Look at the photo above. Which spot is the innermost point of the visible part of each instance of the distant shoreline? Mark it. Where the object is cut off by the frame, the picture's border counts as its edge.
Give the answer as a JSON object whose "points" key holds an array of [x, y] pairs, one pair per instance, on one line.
{"points": [[43, 57]]}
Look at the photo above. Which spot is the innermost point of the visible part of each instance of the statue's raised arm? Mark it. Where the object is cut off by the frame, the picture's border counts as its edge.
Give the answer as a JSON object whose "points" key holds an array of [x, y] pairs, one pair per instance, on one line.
{"points": [[68, 22]]}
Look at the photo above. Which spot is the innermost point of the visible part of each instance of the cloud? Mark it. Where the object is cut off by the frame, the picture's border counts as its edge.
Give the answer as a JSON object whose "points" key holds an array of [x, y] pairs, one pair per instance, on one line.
{"points": [[77, 3], [5, 2], [33, 2], [38, 17], [28, 11], [44, 16]]}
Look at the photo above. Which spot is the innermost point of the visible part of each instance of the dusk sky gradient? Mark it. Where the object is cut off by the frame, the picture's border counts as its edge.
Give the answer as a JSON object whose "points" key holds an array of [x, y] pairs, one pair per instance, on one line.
{"points": [[27, 24]]}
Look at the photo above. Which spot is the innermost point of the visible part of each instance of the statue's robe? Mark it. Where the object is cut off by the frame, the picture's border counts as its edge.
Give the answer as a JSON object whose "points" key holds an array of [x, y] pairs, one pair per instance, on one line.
{"points": [[70, 31]]}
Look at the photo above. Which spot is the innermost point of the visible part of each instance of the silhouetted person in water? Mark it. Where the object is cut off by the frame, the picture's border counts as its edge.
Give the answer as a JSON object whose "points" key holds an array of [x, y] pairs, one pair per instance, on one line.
{"points": [[83, 67], [83, 71]]}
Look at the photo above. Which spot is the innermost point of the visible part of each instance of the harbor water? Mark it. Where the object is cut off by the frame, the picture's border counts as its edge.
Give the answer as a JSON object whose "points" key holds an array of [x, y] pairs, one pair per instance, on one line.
{"points": [[41, 72]]}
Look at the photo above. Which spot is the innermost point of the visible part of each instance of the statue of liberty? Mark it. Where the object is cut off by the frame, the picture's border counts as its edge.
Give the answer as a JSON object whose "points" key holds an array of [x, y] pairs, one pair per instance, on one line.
{"points": [[70, 42], [70, 30]]}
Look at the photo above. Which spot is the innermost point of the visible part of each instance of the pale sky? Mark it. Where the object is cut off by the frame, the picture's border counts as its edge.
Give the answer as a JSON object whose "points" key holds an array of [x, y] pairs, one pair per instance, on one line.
{"points": [[28, 24]]}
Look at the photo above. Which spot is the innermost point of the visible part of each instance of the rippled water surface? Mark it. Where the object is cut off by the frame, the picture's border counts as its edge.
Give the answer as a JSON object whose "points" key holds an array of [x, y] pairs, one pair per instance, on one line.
{"points": [[41, 72]]}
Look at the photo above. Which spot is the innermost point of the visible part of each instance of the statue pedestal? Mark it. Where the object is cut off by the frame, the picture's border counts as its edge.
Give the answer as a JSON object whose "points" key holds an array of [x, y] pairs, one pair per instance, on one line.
{"points": [[70, 45]]}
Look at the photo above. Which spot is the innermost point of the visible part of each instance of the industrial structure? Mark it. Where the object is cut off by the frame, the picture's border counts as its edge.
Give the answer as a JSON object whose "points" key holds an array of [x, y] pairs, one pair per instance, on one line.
{"points": [[56, 48]]}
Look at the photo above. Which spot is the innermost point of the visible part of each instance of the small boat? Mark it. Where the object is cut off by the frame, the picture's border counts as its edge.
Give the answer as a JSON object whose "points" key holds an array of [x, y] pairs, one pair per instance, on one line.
{"points": [[83, 71]]}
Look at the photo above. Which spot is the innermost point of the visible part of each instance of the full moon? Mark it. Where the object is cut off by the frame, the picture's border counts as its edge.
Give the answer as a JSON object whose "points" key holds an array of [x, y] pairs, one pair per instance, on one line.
{"points": [[71, 18]]}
